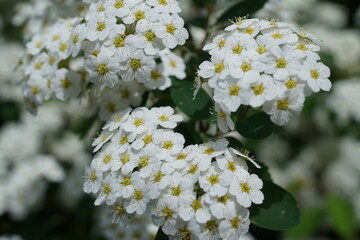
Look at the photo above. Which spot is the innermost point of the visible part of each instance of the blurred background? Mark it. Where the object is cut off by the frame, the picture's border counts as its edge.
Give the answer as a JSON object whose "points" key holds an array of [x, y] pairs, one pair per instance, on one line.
{"points": [[316, 156]]}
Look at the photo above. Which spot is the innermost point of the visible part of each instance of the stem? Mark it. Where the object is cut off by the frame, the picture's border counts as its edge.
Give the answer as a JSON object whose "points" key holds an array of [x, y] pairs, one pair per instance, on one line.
{"points": [[244, 112], [160, 235], [207, 23]]}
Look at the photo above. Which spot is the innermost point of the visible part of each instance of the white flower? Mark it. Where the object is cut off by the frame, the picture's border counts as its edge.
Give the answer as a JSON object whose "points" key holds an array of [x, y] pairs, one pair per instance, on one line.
{"points": [[171, 30], [262, 89], [166, 118], [36, 88], [102, 139], [117, 119], [214, 181], [99, 27], [215, 70], [105, 159], [66, 84], [148, 39], [173, 65], [208, 230], [140, 121], [285, 106], [231, 93], [170, 143], [76, 38], [93, 179], [138, 67], [107, 191], [283, 66], [139, 199], [316, 75], [140, 12], [157, 79], [165, 6], [216, 45], [224, 121], [103, 69], [246, 188], [123, 140], [235, 225], [193, 208], [221, 206], [119, 8], [165, 214]]}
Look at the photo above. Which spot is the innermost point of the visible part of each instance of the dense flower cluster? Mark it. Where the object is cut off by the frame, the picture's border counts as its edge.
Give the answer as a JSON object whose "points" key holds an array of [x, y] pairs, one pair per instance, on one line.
{"points": [[265, 64], [111, 56], [198, 191]]}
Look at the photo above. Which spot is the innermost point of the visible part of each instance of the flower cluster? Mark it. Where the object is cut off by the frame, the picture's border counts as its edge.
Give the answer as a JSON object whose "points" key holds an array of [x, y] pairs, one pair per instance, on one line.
{"points": [[198, 191], [265, 64], [119, 49]]}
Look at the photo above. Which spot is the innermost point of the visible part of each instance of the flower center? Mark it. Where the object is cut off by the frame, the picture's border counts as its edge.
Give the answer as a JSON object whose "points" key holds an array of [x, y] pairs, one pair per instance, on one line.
{"points": [[258, 89], [138, 195], [126, 181], [123, 140], [144, 161], [125, 158], [237, 50], [158, 176], [167, 145], [102, 69], [232, 166], [139, 15], [92, 176], [119, 41], [147, 139], [193, 169], [125, 94], [281, 63], [219, 67], [163, 2], [245, 187], [101, 26], [107, 158], [209, 151], [234, 90], [314, 74], [119, 4], [213, 179], [35, 90], [282, 104], [107, 189], [138, 122], [66, 83], [291, 84], [150, 36], [135, 64], [277, 36], [246, 66], [196, 205], [235, 222], [222, 43], [302, 47], [155, 75], [211, 225], [261, 50], [170, 28], [168, 213], [163, 118], [176, 191]]}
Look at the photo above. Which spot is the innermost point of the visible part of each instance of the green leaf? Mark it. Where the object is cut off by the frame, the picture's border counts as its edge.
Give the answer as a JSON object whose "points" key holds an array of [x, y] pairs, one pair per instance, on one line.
{"points": [[309, 223], [342, 216], [242, 8], [161, 235], [279, 210], [199, 108], [257, 126]]}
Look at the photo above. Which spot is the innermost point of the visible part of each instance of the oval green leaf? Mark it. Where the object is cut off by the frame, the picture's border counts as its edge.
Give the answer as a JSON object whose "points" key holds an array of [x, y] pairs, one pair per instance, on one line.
{"points": [[241, 9], [279, 210], [199, 108], [257, 126]]}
